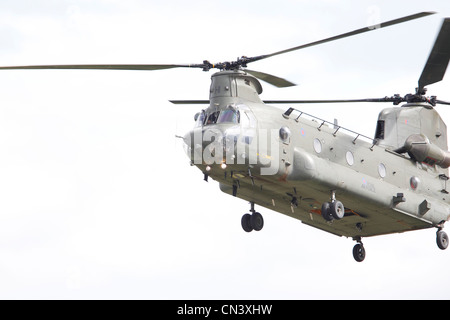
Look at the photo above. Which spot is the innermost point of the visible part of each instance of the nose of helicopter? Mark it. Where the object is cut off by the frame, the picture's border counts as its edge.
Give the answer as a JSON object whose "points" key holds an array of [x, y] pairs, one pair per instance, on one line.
{"points": [[192, 146], [210, 145]]}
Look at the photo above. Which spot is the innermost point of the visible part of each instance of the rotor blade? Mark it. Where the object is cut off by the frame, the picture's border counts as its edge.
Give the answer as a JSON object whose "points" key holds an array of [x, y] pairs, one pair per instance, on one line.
{"points": [[277, 101], [443, 102], [349, 34], [273, 80], [189, 101], [108, 66], [385, 99], [437, 63]]}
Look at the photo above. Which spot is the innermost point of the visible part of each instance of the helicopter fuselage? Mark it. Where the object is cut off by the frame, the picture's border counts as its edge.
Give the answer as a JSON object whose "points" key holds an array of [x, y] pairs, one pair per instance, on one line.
{"points": [[304, 168], [293, 163]]}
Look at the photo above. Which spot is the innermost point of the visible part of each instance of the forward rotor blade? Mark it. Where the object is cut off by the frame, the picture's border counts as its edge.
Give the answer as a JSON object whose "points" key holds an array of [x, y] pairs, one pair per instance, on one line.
{"points": [[279, 82], [443, 102], [438, 59], [273, 80], [349, 34], [108, 66], [189, 101]]}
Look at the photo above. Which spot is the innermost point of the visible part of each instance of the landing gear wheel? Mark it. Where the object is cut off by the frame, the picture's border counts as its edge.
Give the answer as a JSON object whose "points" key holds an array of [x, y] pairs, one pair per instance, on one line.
{"points": [[337, 210], [442, 240], [359, 253], [245, 222], [252, 221], [257, 221], [326, 212]]}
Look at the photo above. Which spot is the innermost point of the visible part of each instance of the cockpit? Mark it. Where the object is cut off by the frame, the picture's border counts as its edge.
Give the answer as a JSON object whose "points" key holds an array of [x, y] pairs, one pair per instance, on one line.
{"points": [[229, 115], [222, 135]]}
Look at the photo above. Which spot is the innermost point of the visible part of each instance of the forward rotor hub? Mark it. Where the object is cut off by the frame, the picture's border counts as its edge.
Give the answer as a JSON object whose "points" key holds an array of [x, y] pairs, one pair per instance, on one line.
{"points": [[230, 65]]}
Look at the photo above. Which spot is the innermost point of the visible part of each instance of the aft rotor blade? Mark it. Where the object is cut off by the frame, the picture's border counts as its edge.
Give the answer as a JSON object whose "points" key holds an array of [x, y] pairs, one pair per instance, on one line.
{"points": [[349, 34], [108, 66], [385, 99], [396, 99], [273, 80], [438, 59]]}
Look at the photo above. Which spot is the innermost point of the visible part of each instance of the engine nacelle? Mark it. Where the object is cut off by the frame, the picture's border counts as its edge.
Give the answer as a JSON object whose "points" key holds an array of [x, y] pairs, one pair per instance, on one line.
{"points": [[421, 149]]}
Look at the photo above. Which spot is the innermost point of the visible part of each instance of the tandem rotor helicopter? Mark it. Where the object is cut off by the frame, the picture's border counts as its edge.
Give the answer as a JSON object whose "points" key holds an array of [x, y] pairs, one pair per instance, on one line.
{"points": [[327, 176]]}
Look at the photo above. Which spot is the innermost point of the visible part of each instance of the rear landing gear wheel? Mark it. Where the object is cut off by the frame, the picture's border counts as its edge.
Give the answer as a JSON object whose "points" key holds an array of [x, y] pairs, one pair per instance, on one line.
{"points": [[359, 253], [442, 240]]}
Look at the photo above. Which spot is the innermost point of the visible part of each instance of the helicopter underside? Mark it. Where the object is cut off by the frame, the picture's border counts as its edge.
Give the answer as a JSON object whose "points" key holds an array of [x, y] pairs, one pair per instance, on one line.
{"points": [[303, 203]]}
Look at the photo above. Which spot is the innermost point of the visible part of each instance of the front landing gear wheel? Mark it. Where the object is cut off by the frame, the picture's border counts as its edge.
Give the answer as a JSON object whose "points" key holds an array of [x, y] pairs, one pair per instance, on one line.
{"points": [[250, 222], [257, 221], [337, 210], [359, 253], [442, 240], [245, 222], [333, 210], [326, 212]]}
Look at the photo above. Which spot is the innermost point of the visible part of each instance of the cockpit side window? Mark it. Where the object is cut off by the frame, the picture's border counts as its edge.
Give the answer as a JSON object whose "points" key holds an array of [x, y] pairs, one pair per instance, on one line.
{"points": [[229, 116], [200, 119], [247, 120], [212, 118]]}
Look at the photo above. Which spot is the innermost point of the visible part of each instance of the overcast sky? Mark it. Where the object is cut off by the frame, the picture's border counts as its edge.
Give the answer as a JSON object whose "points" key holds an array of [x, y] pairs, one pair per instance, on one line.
{"points": [[97, 198]]}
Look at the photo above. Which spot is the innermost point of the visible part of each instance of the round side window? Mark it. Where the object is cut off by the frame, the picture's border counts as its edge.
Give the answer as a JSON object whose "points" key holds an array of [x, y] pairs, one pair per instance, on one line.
{"points": [[285, 134], [414, 182], [317, 145], [382, 170], [349, 157]]}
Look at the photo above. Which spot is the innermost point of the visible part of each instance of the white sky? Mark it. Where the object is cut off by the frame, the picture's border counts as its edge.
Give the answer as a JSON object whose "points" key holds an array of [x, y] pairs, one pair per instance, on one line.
{"points": [[97, 199]]}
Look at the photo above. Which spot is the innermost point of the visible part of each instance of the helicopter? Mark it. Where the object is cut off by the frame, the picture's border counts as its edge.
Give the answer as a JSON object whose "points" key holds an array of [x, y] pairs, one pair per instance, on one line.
{"points": [[327, 176]]}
